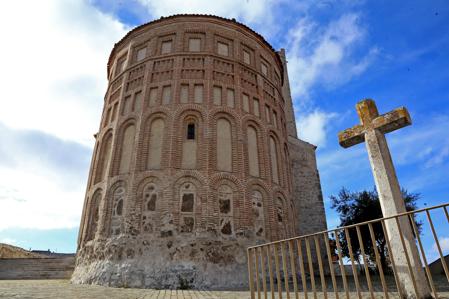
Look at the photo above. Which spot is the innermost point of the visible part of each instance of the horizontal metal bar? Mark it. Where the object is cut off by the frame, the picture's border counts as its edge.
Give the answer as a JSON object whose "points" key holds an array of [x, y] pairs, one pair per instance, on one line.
{"points": [[353, 225]]}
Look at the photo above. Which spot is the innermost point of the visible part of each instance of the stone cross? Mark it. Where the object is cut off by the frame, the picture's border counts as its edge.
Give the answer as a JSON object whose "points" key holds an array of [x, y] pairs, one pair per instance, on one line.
{"points": [[371, 130]]}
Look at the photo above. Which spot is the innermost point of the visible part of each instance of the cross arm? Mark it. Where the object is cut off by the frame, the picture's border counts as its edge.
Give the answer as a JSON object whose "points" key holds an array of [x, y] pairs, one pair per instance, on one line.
{"points": [[393, 120], [351, 136]]}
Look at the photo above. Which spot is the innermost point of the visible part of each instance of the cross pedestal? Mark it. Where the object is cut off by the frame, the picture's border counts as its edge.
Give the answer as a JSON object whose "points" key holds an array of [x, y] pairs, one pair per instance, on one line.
{"points": [[371, 130]]}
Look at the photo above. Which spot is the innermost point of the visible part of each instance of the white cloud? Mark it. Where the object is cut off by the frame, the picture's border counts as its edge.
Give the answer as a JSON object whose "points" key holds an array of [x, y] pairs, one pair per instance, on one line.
{"points": [[54, 76], [249, 10], [258, 13], [8, 241], [54, 66], [429, 139], [37, 202], [444, 245], [439, 157], [312, 127], [323, 54]]}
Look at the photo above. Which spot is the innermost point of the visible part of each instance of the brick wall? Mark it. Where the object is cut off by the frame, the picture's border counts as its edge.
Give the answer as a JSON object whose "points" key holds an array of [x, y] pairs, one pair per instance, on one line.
{"points": [[138, 94]]}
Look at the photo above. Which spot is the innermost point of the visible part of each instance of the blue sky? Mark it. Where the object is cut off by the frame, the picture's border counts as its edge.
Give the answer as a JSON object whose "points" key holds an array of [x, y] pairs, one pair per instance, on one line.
{"points": [[339, 52]]}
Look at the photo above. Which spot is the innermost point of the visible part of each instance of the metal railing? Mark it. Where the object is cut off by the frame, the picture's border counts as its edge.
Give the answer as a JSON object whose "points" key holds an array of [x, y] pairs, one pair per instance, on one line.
{"points": [[354, 261]]}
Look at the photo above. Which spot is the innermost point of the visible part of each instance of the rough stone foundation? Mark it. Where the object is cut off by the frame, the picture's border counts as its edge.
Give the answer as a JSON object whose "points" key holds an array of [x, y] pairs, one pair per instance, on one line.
{"points": [[188, 263]]}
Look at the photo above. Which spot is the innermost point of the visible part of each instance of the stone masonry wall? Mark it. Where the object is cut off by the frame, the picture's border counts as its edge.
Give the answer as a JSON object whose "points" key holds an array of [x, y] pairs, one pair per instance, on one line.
{"points": [[307, 193], [37, 268]]}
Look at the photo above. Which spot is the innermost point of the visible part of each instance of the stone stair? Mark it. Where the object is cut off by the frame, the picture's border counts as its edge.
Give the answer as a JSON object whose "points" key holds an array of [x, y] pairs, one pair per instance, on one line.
{"points": [[37, 268]]}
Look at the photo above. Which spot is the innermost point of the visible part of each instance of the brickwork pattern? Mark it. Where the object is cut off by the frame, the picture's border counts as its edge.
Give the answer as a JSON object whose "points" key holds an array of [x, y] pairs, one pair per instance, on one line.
{"points": [[115, 232]]}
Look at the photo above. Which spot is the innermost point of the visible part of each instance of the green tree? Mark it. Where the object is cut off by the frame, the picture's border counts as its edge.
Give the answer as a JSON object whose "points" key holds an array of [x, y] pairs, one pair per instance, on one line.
{"points": [[356, 207]]}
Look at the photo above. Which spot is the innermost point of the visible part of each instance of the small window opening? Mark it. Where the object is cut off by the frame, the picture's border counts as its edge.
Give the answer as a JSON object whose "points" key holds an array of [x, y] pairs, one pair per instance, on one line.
{"points": [[187, 202], [119, 208], [191, 131]]}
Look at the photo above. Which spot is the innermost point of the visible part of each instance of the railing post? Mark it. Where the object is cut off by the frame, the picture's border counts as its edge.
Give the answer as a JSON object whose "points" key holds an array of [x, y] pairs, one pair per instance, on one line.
{"points": [[423, 254], [278, 273], [250, 273], [301, 267], [270, 271], [264, 276], [331, 266]]}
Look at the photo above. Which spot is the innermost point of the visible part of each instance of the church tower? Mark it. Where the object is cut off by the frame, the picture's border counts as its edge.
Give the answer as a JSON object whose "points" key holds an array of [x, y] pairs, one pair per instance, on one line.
{"points": [[196, 158]]}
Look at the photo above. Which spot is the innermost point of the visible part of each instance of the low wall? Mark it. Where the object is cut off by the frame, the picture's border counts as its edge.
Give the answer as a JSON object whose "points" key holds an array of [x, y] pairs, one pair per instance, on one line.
{"points": [[37, 268]]}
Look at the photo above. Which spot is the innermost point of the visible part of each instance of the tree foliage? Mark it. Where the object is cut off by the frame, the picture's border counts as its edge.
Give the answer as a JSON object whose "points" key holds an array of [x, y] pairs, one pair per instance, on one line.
{"points": [[357, 207]]}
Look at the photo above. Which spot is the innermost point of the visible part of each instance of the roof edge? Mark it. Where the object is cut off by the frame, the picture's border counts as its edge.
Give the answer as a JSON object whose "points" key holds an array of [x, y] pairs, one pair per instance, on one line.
{"points": [[161, 19]]}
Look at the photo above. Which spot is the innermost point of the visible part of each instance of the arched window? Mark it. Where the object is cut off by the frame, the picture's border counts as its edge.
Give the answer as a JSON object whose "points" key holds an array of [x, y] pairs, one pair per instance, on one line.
{"points": [[188, 196], [274, 161], [149, 205], [118, 201], [94, 213], [127, 147], [281, 218], [253, 152], [189, 143], [155, 144], [224, 145], [104, 158], [258, 213], [225, 203]]}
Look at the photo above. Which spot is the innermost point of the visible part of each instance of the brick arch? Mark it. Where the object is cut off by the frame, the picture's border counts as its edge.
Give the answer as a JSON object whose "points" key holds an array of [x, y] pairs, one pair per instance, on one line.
{"points": [[157, 110], [131, 121], [275, 134], [156, 114], [190, 108], [199, 211], [225, 181], [261, 146], [259, 183], [266, 207], [144, 140], [163, 176], [84, 223], [286, 214], [101, 134], [126, 122], [279, 191], [101, 149], [251, 118], [229, 112], [141, 185], [228, 221], [108, 203], [280, 157], [290, 208], [236, 135], [239, 196], [215, 179], [179, 132], [88, 234], [139, 203], [190, 173], [288, 170]]}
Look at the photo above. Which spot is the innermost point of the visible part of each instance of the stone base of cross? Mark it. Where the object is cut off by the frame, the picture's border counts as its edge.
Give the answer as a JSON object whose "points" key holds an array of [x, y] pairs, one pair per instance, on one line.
{"points": [[371, 131]]}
